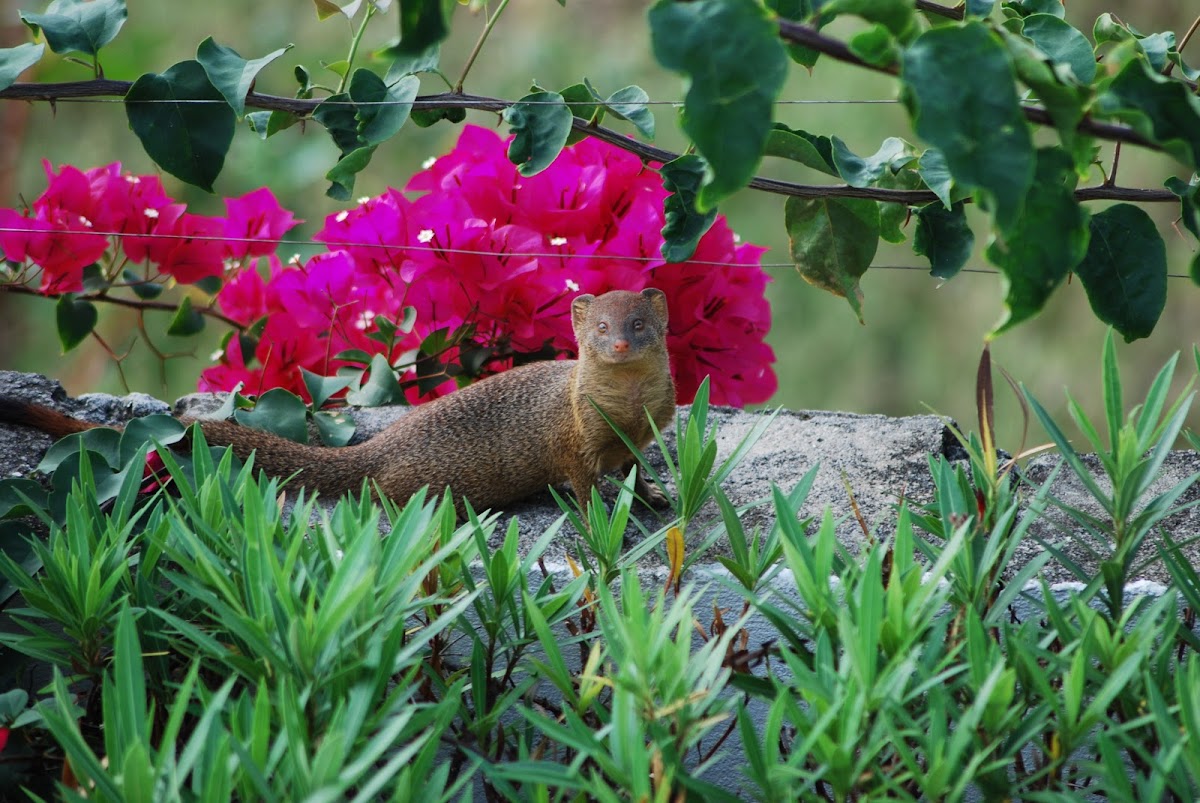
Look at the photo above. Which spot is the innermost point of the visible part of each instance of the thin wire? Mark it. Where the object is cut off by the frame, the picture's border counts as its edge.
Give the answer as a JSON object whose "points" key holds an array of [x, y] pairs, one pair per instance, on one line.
{"points": [[442, 102], [472, 251]]}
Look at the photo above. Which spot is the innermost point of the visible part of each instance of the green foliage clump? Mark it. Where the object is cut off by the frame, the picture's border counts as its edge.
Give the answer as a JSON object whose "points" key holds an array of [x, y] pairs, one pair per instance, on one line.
{"points": [[208, 645]]}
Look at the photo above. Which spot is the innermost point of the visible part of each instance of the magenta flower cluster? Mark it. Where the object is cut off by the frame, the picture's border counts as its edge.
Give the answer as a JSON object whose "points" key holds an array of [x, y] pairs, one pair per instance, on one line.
{"points": [[73, 223], [471, 245]]}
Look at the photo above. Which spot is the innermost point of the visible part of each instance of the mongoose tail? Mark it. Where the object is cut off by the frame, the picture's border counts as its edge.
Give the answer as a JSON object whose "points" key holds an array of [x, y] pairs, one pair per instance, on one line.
{"points": [[53, 423]]}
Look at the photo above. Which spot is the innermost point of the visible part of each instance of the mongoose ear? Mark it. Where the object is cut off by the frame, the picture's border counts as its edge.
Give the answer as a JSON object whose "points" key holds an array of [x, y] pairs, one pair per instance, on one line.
{"points": [[658, 300], [579, 308]]}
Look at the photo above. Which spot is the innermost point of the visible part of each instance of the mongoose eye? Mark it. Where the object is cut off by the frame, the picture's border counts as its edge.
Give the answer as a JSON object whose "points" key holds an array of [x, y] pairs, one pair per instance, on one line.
{"points": [[638, 324], [602, 327]]}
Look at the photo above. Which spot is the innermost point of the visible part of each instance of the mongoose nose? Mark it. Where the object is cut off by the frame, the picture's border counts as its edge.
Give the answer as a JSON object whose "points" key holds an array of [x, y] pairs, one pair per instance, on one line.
{"points": [[620, 346]]}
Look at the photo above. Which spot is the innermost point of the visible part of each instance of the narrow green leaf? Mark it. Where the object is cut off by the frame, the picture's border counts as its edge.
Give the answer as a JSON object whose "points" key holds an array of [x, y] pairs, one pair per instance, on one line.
{"points": [[78, 26], [280, 412], [1110, 375], [76, 319], [683, 226], [833, 241], [129, 681], [232, 75], [188, 140], [983, 135], [944, 237], [731, 54], [15, 60], [1125, 270], [540, 123]]}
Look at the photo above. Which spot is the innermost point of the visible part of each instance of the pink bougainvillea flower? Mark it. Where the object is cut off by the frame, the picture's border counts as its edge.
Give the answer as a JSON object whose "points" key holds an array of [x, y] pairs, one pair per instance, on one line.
{"points": [[193, 252], [487, 259], [3, 738], [150, 211], [61, 253], [485, 253], [374, 232], [244, 296], [259, 222]]}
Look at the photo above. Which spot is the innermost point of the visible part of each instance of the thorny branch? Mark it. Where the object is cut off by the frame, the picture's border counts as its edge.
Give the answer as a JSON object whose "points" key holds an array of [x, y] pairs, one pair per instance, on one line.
{"points": [[138, 303]]}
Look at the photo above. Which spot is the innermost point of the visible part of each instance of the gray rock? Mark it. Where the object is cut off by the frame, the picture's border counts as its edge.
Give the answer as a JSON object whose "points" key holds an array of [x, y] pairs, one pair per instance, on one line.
{"points": [[879, 459], [21, 449]]}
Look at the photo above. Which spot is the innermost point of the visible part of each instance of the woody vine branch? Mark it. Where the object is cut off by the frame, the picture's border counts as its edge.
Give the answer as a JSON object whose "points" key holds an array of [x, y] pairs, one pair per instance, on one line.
{"points": [[800, 34]]}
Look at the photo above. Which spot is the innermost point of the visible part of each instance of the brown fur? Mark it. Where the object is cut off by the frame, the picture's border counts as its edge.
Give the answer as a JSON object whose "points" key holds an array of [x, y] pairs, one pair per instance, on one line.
{"points": [[498, 440]]}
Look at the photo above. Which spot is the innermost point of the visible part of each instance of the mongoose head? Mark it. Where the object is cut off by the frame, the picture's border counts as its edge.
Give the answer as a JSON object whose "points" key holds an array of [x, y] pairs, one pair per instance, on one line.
{"points": [[620, 326]]}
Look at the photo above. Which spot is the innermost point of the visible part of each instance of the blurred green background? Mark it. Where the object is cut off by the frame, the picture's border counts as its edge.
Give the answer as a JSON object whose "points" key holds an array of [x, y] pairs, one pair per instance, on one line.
{"points": [[922, 339]]}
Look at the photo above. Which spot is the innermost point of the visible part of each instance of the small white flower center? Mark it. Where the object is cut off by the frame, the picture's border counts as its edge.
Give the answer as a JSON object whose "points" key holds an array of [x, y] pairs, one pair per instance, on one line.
{"points": [[558, 241], [572, 286], [428, 163], [150, 213], [425, 235], [345, 213]]}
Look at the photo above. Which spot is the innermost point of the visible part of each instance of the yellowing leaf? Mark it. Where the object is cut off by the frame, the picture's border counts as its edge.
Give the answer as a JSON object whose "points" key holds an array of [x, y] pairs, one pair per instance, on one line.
{"points": [[675, 555]]}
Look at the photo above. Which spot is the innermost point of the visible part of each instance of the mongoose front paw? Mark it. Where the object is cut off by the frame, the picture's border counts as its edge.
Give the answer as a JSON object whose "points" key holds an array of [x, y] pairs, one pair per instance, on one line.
{"points": [[654, 496]]}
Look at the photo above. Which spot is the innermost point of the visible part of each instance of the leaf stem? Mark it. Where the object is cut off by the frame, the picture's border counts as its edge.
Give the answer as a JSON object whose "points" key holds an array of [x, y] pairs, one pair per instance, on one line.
{"points": [[483, 35], [354, 43]]}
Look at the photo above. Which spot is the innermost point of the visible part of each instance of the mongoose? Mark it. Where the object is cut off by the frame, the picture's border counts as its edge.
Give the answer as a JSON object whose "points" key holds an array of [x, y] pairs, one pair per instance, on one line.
{"points": [[498, 440]]}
